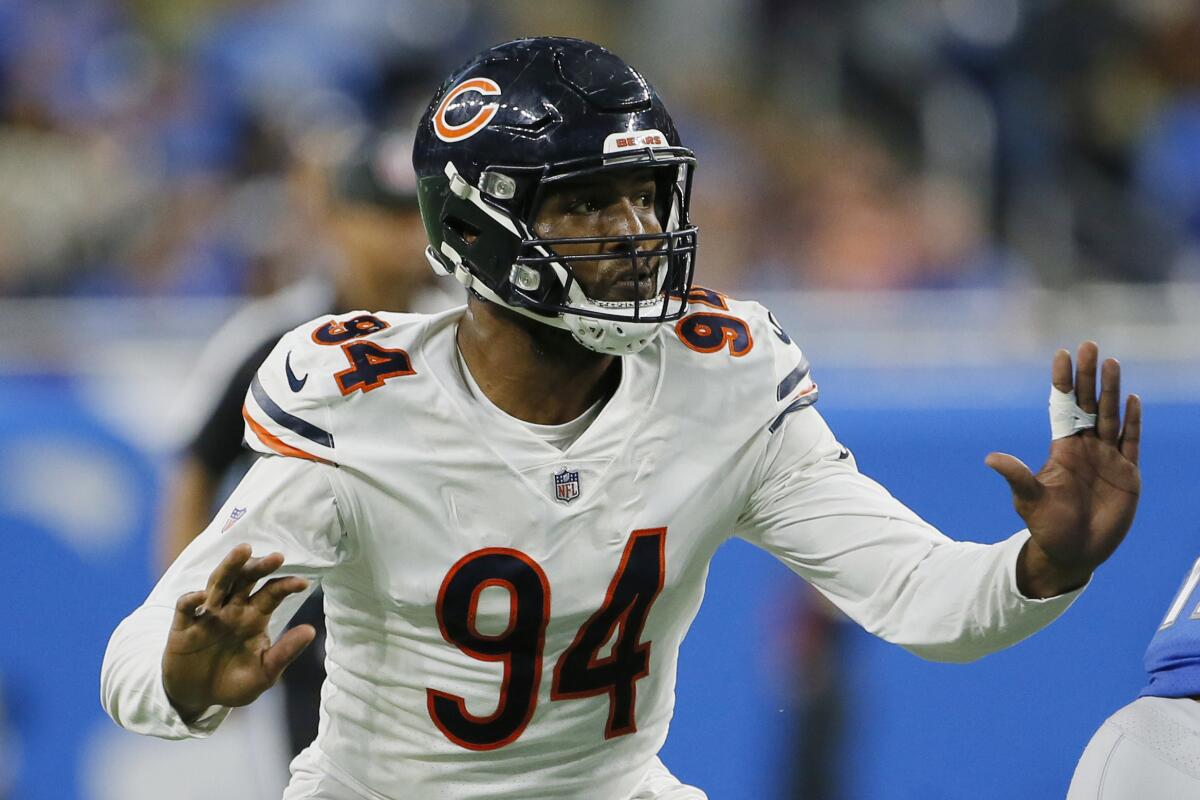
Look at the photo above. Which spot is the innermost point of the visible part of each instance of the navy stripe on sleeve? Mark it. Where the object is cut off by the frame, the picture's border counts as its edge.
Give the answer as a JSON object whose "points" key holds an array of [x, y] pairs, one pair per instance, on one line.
{"points": [[797, 404], [289, 421], [792, 380]]}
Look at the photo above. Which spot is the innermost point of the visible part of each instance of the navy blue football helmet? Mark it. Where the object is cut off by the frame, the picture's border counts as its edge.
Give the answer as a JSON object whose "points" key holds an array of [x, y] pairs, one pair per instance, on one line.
{"points": [[506, 127]]}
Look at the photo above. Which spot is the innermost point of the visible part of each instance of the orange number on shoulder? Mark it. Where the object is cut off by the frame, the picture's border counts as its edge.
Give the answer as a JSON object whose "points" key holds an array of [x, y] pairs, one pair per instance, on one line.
{"points": [[370, 364], [712, 331]]}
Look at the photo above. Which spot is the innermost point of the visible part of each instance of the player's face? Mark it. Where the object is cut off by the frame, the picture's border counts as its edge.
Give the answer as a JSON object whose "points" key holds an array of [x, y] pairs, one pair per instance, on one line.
{"points": [[616, 203]]}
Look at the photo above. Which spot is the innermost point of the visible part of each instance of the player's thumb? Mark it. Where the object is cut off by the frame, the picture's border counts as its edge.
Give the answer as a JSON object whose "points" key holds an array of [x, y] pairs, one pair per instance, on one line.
{"points": [[1020, 479], [286, 649]]}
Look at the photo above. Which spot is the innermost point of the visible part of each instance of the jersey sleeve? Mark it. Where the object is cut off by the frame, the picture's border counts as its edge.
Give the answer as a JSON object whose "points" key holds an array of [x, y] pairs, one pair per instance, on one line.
{"points": [[775, 374], [284, 505], [288, 409], [793, 382], [876, 560]]}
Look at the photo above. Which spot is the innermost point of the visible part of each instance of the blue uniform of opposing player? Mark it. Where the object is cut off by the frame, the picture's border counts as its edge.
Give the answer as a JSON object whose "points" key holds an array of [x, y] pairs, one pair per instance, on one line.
{"points": [[1173, 657], [1150, 749]]}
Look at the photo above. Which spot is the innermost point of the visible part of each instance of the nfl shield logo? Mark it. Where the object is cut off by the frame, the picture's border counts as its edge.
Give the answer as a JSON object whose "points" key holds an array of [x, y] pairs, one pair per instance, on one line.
{"points": [[566, 485], [237, 514]]}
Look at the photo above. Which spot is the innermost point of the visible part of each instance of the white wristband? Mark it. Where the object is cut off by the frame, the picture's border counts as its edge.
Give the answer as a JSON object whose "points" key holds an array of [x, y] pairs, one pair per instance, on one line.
{"points": [[1066, 417]]}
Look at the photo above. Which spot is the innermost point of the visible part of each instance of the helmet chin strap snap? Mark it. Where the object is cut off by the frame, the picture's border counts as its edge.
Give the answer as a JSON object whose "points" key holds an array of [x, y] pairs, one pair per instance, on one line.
{"points": [[460, 273], [435, 263], [524, 278]]}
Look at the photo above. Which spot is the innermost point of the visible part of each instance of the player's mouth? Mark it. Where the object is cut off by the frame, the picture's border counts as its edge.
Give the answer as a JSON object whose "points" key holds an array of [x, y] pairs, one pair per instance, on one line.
{"points": [[636, 279], [633, 285]]}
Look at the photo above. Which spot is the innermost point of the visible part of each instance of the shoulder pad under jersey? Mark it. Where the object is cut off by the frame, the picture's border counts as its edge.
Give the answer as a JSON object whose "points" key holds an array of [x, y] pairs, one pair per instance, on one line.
{"points": [[737, 335]]}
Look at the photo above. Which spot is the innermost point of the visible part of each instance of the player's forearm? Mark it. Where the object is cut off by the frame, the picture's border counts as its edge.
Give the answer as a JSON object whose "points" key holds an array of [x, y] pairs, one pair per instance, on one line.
{"points": [[131, 687], [883, 565], [963, 602], [1039, 577]]}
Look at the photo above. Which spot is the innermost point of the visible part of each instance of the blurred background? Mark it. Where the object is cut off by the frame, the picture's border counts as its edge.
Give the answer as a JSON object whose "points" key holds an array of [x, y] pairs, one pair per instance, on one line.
{"points": [[932, 196]]}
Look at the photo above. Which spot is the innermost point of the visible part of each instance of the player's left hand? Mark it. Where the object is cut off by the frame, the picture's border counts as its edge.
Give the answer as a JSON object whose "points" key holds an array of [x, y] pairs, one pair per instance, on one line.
{"points": [[1080, 504]]}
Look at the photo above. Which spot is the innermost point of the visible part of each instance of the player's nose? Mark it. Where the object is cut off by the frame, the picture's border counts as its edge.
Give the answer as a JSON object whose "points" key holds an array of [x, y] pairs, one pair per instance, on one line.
{"points": [[625, 218]]}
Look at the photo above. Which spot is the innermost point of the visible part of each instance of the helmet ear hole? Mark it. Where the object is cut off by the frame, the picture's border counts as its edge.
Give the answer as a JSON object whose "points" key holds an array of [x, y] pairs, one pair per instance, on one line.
{"points": [[464, 230]]}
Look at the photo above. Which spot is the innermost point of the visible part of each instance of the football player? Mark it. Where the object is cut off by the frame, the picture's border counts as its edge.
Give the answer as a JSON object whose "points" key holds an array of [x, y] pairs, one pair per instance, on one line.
{"points": [[512, 506], [1150, 749]]}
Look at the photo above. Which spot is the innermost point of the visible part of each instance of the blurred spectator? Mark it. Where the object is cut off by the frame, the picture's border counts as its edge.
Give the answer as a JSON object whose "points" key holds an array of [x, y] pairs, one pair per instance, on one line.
{"points": [[891, 143], [61, 196], [143, 143], [1167, 164], [1019, 115], [814, 639], [365, 251]]}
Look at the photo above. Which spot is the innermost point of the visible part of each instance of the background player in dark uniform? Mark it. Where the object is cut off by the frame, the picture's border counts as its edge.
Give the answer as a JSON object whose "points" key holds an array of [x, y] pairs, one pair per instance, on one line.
{"points": [[366, 206], [1150, 749]]}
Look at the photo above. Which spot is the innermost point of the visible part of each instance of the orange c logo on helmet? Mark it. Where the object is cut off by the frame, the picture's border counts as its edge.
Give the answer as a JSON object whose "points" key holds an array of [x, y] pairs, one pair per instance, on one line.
{"points": [[456, 133]]}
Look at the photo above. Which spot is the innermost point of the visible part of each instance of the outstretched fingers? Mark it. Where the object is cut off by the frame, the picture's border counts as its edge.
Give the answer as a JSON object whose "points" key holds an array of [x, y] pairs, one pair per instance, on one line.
{"points": [[1085, 376], [252, 572], [273, 592], [186, 608], [221, 581], [1108, 420], [276, 659], [1060, 371], [1131, 434]]}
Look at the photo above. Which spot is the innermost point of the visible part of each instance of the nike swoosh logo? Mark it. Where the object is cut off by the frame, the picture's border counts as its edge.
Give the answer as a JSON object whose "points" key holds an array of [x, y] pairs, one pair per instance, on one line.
{"points": [[296, 383]]}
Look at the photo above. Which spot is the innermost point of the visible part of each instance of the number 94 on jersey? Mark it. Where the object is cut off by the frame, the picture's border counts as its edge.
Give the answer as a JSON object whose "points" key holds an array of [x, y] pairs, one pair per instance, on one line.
{"points": [[588, 667]]}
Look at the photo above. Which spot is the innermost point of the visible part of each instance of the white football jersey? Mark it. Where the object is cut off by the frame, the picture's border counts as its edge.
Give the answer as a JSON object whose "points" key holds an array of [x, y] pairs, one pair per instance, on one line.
{"points": [[505, 617]]}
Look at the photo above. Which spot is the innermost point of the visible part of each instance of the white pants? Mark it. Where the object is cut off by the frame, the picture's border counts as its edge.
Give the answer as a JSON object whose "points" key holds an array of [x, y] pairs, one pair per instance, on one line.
{"points": [[1149, 750], [308, 783]]}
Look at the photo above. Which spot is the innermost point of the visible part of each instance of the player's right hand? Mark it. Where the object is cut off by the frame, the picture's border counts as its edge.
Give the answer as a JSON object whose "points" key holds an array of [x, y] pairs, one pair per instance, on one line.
{"points": [[219, 651]]}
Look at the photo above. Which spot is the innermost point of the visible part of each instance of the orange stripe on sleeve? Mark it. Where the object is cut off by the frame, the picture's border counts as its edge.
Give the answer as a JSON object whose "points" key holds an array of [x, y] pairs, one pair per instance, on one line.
{"points": [[277, 444]]}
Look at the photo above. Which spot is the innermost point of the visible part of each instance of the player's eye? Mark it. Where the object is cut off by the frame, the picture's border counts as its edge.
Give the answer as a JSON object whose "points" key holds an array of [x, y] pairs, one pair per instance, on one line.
{"points": [[583, 205]]}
